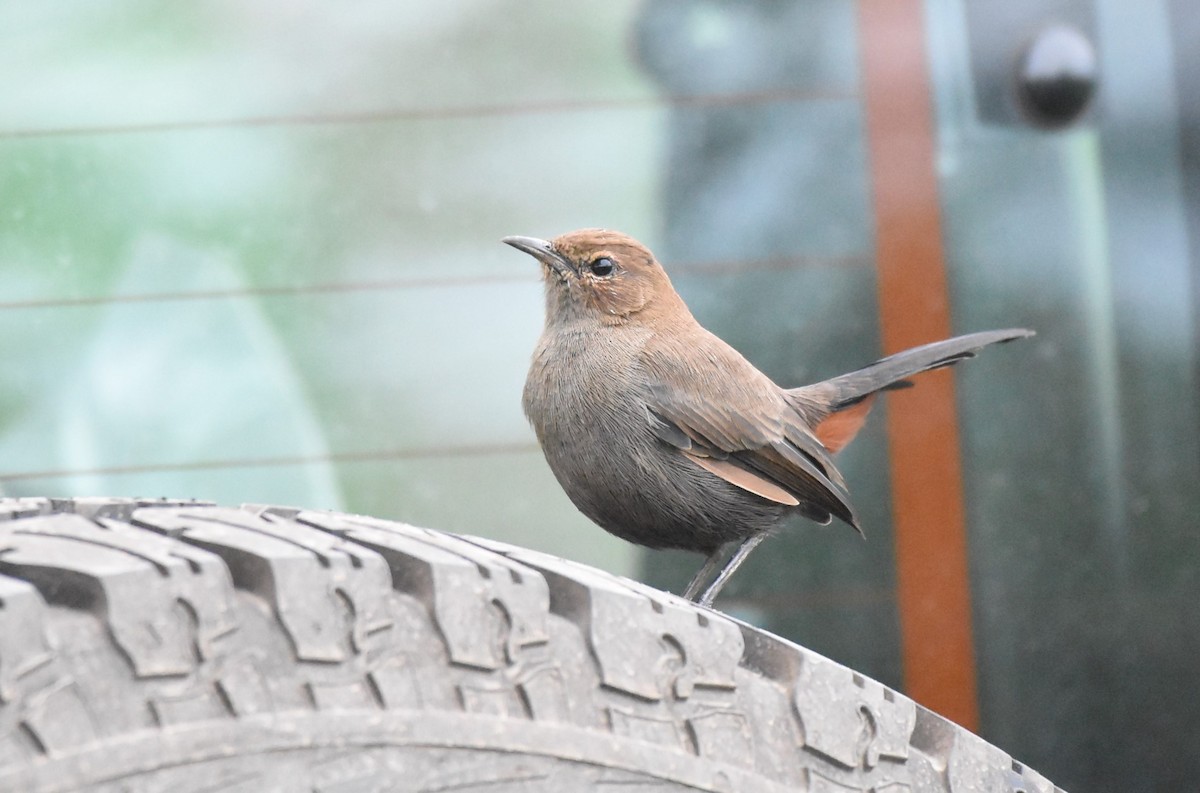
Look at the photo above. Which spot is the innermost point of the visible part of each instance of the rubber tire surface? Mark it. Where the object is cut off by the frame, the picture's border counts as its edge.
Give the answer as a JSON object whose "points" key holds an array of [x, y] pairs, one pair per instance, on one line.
{"points": [[159, 645]]}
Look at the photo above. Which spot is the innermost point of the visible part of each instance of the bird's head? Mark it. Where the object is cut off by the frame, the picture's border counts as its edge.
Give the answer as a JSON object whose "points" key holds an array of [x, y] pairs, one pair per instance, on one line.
{"points": [[600, 274]]}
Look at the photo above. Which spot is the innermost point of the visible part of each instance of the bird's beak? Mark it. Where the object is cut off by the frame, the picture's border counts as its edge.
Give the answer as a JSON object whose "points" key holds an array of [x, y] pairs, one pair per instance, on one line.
{"points": [[543, 251]]}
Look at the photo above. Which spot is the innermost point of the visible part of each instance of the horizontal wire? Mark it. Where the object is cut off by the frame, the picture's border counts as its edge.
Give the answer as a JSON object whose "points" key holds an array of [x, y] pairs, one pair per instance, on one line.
{"points": [[383, 455], [718, 267], [817, 599], [435, 114], [387, 285]]}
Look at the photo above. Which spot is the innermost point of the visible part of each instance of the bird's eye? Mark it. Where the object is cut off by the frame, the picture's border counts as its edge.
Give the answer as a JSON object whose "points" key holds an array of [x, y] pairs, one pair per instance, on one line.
{"points": [[602, 266]]}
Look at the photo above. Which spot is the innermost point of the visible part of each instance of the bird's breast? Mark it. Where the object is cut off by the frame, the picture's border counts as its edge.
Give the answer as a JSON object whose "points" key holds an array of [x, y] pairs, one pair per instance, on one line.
{"points": [[579, 386], [587, 403]]}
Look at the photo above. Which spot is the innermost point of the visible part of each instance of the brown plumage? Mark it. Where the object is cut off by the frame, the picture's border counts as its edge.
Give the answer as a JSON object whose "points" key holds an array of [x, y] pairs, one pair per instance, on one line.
{"points": [[665, 435]]}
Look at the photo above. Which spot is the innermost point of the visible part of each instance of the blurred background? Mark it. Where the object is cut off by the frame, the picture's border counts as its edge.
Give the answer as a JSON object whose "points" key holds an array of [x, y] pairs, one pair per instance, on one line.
{"points": [[249, 253]]}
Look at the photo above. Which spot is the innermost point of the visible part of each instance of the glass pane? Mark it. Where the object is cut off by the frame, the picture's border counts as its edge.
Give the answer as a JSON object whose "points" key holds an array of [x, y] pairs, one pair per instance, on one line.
{"points": [[1081, 458], [250, 252]]}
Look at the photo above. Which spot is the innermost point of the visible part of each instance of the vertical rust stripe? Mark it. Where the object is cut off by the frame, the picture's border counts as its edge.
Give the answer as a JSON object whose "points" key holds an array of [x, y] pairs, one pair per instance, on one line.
{"points": [[931, 553]]}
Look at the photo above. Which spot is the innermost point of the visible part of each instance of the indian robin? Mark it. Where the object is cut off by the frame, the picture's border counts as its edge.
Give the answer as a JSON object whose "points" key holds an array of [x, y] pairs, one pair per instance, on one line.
{"points": [[665, 435]]}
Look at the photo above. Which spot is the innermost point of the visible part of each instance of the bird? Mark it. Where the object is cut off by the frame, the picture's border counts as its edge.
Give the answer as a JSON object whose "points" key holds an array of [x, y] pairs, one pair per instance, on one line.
{"points": [[666, 436]]}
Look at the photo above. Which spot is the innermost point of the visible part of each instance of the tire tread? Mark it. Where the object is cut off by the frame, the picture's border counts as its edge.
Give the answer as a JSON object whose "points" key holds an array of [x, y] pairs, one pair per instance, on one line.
{"points": [[139, 638]]}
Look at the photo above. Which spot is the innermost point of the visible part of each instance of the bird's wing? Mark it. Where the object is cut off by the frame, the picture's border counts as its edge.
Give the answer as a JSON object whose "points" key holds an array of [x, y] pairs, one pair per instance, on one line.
{"points": [[731, 420]]}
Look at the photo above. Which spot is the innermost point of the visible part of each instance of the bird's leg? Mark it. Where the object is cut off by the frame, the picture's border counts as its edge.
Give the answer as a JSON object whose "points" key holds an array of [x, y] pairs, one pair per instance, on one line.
{"points": [[710, 564], [729, 569]]}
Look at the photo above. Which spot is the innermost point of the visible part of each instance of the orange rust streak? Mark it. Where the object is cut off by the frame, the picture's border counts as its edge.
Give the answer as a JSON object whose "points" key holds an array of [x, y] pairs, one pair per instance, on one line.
{"points": [[931, 553]]}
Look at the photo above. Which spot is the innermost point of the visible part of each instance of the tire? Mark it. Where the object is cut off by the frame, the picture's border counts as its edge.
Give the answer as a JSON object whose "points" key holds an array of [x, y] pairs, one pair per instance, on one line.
{"points": [[186, 647]]}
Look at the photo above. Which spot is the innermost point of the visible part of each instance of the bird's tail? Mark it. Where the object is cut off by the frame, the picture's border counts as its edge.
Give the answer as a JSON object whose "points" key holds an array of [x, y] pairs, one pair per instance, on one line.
{"points": [[838, 407]]}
